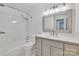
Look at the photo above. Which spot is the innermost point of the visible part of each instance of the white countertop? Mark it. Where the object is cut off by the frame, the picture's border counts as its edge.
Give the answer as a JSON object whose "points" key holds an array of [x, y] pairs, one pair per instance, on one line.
{"points": [[65, 37]]}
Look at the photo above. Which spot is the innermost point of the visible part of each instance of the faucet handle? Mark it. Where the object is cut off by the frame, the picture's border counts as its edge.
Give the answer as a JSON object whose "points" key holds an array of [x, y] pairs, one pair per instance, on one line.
{"points": [[56, 34], [51, 33]]}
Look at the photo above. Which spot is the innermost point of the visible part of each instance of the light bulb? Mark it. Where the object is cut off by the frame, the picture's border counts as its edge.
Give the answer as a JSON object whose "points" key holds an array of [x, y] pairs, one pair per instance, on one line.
{"points": [[10, 15], [57, 10], [14, 21], [46, 13]]}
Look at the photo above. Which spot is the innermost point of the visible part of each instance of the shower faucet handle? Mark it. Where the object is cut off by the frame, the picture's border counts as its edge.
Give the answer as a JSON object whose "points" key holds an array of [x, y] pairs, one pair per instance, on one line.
{"points": [[1, 32]]}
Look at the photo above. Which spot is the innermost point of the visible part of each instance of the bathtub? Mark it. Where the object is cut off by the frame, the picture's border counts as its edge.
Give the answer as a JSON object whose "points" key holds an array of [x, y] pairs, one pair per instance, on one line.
{"points": [[23, 50], [17, 49]]}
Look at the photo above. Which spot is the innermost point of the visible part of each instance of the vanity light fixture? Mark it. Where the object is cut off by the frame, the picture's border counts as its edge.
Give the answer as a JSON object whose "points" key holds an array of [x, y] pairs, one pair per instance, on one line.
{"points": [[53, 9], [46, 12]]}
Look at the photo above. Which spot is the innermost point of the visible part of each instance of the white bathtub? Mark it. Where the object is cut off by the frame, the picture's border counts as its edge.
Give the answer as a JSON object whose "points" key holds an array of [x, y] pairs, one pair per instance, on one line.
{"points": [[16, 52], [22, 50]]}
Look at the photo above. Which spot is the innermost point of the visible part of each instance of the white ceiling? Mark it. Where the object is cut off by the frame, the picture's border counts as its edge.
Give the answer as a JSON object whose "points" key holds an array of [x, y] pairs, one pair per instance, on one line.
{"points": [[30, 6], [27, 6]]}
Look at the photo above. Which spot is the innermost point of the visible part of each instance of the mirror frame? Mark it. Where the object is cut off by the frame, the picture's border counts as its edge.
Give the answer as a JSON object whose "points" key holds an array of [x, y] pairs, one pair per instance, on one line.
{"points": [[57, 14]]}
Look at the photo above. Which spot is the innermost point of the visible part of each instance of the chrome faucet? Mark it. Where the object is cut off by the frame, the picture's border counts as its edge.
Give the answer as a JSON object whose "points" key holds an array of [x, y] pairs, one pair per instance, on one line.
{"points": [[53, 33]]}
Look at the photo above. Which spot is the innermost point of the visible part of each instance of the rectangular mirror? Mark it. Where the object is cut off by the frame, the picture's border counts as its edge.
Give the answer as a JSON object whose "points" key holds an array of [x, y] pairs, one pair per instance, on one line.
{"points": [[48, 23], [59, 22]]}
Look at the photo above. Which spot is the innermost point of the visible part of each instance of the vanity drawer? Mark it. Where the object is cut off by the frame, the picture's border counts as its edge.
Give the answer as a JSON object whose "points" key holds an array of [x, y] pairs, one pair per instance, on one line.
{"points": [[55, 44], [71, 47], [71, 50], [70, 53]]}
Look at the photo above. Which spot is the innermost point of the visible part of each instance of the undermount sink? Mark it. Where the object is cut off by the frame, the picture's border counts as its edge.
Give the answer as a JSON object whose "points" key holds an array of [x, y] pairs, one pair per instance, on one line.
{"points": [[48, 35]]}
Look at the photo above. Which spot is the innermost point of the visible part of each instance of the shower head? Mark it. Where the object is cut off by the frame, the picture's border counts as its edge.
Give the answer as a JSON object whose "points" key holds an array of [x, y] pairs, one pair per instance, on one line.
{"points": [[2, 5], [26, 18]]}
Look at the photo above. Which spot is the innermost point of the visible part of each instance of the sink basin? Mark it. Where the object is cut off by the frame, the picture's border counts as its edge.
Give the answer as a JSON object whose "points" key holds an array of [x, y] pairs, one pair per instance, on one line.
{"points": [[64, 37], [48, 35]]}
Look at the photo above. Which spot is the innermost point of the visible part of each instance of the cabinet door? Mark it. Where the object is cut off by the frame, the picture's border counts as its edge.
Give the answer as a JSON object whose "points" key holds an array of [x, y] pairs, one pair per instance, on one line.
{"points": [[50, 49], [37, 52], [54, 51], [38, 43], [71, 50], [37, 47], [45, 48]]}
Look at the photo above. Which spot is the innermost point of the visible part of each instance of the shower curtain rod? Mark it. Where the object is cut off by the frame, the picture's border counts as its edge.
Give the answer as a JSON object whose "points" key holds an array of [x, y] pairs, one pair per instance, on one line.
{"points": [[16, 9]]}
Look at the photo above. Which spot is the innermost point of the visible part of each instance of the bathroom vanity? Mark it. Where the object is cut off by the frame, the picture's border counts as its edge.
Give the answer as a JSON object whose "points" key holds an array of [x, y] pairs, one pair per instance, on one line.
{"points": [[61, 45], [65, 43]]}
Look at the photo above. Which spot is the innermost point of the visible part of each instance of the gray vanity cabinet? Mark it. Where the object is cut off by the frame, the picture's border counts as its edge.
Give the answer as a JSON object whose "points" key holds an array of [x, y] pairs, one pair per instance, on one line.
{"points": [[47, 47], [52, 48]]}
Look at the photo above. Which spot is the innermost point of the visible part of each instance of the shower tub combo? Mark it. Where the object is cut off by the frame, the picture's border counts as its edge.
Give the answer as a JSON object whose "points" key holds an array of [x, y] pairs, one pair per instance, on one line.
{"points": [[13, 32]]}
